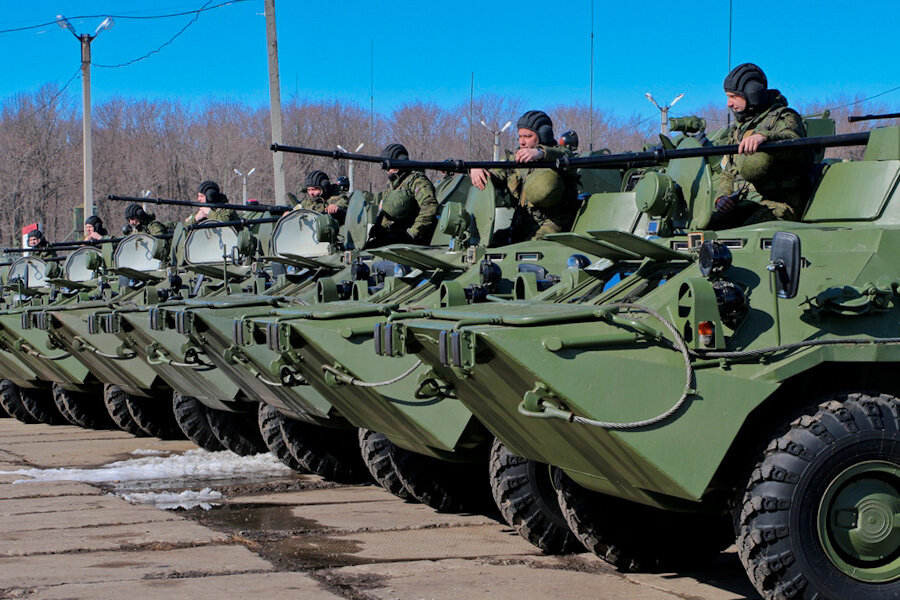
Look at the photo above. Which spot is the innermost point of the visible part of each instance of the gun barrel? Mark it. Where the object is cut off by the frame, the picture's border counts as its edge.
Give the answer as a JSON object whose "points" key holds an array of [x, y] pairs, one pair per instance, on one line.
{"points": [[855, 118], [272, 208], [659, 155]]}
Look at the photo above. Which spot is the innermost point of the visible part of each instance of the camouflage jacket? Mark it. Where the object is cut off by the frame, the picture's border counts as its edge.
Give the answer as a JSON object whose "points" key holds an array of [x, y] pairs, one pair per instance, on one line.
{"points": [[215, 214], [152, 228], [777, 122], [513, 181], [321, 203], [421, 188]]}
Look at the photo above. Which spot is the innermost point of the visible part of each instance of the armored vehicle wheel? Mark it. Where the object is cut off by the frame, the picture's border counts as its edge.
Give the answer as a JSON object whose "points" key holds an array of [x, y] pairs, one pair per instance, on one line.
{"points": [[821, 514], [269, 419], [326, 451], [376, 453], [636, 537], [82, 408], [238, 432], [40, 404], [11, 400], [444, 486], [117, 408], [190, 414], [524, 493], [154, 416]]}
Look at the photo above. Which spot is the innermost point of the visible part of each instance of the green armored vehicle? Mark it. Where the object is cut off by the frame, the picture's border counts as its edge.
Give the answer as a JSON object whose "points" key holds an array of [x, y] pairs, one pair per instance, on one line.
{"points": [[754, 390]]}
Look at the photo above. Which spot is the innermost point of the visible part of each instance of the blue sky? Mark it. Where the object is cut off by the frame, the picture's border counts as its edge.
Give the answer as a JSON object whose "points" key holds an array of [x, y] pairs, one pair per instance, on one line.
{"points": [[539, 51]]}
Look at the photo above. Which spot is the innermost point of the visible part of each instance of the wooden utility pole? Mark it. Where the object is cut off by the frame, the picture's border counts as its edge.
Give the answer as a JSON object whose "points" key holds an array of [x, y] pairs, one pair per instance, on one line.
{"points": [[275, 102]]}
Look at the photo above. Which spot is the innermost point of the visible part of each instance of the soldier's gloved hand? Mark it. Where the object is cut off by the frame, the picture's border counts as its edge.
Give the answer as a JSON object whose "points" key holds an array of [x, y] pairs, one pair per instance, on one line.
{"points": [[725, 204], [749, 144], [479, 178]]}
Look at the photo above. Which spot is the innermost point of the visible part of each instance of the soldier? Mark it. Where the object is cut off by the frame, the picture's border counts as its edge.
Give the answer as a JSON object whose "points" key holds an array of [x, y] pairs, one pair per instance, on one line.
{"points": [[94, 229], [140, 221], [321, 198], [39, 245], [547, 199], [569, 140], [409, 207], [343, 184], [209, 193], [755, 187]]}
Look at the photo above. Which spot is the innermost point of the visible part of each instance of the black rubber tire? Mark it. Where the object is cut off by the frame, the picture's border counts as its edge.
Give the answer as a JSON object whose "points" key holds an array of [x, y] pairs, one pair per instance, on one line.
{"points": [[11, 400], [40, 404], [238, 432], [636, 537], [444, 486], [328, 452], [778, 541], [117, 409], [524, 493], [154, 416], [376, 453], [269, 420], [190, 414], [84, 409]]}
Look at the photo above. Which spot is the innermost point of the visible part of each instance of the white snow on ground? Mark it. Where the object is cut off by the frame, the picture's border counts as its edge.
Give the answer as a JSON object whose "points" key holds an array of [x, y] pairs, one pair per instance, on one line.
{"points": [[187, 499], [149, 452], [198, 464]]}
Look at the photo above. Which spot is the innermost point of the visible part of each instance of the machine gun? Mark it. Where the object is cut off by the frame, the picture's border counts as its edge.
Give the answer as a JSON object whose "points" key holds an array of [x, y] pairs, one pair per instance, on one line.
{"points": [[855, 118]]}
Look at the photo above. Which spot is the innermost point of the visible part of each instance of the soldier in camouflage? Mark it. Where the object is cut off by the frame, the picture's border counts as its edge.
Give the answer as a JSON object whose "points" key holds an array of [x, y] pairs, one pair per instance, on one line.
{"points": [[94, 229], [408, 208], [209, 193], [322, 198], [553, 200], [39, 245], [754, 187], [140, 221]]}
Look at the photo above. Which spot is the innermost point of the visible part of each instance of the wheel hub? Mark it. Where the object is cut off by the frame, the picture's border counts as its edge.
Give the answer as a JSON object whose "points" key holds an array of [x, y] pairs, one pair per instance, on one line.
{"points": [[859, 521]]}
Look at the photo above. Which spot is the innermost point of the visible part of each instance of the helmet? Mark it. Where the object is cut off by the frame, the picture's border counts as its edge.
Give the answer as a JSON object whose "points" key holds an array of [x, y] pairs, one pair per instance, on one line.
{"points": [[343, 183], [317, 179], [97, 223], [395, 152], [543, 188], [213, 194], [538, 122], [749, 82], [569, 139], [135, 211], [36, 234]]}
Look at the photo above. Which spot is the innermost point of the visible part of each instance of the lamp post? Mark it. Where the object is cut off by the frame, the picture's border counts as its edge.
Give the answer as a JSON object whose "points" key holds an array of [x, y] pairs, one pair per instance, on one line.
{"points": [[86, 40], [244, 180], [350, 166], [496, 136], [664, 111]]}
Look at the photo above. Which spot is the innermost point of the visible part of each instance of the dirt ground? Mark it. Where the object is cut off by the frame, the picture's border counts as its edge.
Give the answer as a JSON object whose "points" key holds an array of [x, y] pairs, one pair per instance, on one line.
{"points": [[279, 534]]}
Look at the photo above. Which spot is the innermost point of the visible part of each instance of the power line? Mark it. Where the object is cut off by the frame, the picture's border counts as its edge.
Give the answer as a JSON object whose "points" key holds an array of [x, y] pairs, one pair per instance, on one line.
{"points": [[204, 8], [54, 97], [866, 99], [170, 40]]}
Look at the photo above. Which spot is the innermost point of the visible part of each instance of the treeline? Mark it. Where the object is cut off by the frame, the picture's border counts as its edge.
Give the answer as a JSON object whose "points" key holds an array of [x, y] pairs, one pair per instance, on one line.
{"points": [[169, 146]]}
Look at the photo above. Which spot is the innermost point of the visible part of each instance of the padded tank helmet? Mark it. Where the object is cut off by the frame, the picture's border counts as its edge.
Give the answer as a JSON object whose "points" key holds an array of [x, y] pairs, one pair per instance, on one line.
{"points": [[211, 190], [135, 211], [569, 140], [395, 152], [538, 122], [749, 82], [317, 179]]}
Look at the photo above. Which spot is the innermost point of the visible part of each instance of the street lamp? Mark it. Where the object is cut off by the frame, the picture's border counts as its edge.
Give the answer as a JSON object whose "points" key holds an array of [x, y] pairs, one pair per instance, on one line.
{"points": [[664, 111], [244, 180], [496, 136], [350, 166], [86, 40]]}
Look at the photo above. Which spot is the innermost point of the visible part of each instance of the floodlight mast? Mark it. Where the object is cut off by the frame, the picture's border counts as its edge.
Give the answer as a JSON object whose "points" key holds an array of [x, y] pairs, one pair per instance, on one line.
{"points": [[496, 136], [87, 147], [350, 166], [664, 111], [244, 181]]}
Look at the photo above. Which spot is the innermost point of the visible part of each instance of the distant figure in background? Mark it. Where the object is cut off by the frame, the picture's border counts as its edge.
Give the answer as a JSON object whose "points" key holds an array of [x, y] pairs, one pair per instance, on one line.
{"points": [[209, 193], [94, 229], [569, 140], [343, 184]]}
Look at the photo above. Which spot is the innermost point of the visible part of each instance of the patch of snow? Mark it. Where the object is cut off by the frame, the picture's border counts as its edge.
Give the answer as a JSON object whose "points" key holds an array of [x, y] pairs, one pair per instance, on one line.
{"points": [[193, 464], [149, 452], [205, 499]]}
